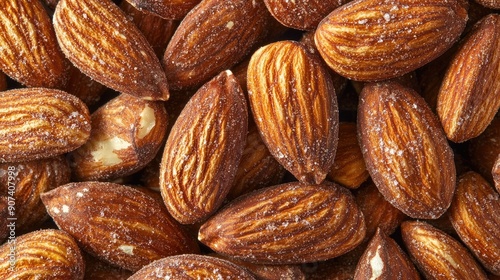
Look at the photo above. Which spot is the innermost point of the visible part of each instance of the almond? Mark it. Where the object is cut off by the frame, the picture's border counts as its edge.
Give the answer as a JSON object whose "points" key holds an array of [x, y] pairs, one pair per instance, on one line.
{"points": [[96, 269], [3, 82], [373, 40], [191, 266], [495, 172], [295, 108], [203, 150], [492, 4], [214, 36], [484, 149], [29, 52], [168, 9], [279, 224], [44, 254], [438, 255], [406, 151], [40, 123], [118, 224], [470, 93], [84, 87], [126, 134], [118, 56], [475, 217], [4, 222]]}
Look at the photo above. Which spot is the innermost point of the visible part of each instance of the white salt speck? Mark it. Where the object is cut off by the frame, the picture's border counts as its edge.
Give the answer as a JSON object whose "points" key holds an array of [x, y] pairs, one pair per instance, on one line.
{"points": [[362, 21], [387, 17], [84, 15], [79, 194], [230, 25], [127, 249], [55, 210], [65, 209]]}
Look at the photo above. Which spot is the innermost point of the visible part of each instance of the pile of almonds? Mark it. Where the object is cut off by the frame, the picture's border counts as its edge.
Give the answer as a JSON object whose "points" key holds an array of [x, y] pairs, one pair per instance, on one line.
{"points": [[249, 139]]}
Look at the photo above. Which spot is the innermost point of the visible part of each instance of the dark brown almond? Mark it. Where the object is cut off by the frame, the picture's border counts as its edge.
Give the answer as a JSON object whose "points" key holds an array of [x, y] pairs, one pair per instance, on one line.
{"points": [[168, 9], [85, 88]]}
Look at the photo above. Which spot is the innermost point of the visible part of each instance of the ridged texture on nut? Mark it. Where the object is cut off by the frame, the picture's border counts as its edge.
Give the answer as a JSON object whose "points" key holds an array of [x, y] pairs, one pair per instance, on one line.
{"points": [[189, 266], [371, 40], [384, 259], [167, 9], [203, 150], [286, 224], [40, 123], [44, 254], [127, 132], [118, 224], [470, 92], [438, 255], [28, 47], [118, 55], [214, 36], [295, 108], [475, 216], [406, 151]]}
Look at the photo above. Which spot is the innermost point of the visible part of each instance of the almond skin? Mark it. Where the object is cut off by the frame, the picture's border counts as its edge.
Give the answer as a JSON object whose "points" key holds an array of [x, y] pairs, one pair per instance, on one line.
{"points": [[406, 151], [167, 9], [29, 52], [438, 255], [475, 217], [203, 150], [44, 254], [286, 224], [294, 105], [38, 123], [118, 224], [470, 92], [373, 40], [118, 56]]}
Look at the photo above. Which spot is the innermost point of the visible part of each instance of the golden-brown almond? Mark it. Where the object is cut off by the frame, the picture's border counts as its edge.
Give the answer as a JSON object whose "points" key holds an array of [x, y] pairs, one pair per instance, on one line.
{"points": [[203, 150], [118, 224], [475, 217], [470, 93], [438, 255], [279, 224], [295, 108], [40, 123], [373, 40], [406, 151], [168, 9], [29, 52], [118, 56]]}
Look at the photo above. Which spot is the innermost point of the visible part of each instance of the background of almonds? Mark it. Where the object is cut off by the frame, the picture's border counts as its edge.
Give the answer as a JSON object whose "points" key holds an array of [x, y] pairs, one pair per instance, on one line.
{"points": [[250, 139]]}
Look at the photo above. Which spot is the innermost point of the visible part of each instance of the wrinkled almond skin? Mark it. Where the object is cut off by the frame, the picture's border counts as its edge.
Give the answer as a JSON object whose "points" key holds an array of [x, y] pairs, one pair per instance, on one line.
{"points": [[126, 134], [167, 9], [38, 123], [29, 52], [438, 255], [373, 40], [118, 224], [277, 225], [294, 105], [475, 217], [203, 150], [214, 36], [406, 151], [189, 266], [470, 92], [44, 254], [118, 56]]}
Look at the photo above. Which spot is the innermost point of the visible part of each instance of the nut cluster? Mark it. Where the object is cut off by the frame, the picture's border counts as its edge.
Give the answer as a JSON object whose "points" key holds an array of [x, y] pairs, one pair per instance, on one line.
{"points": [[249, 139]]}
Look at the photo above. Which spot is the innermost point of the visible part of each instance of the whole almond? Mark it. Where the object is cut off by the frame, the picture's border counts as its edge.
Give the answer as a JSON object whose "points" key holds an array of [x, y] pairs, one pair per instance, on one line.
{"points": [[40, 123], [203, 150], [118, 224], [29, 52], [470, 93], [118, 56], [286, 224], [295, 108], [168, 9], [406, 151], [373, 40], [475, 217]]}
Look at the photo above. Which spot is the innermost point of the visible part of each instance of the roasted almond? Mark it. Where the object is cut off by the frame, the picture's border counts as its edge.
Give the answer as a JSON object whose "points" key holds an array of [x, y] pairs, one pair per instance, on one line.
{"points": [[38, 123], [96, 269], [118, 224], [475, 217], [168, 9], [373, 40], [4, 222], [287, 224], [29, 52], [405, 149], [3, 81], [118, 56], [85, 88], [203, 150], [295, 108], [470, 93], [438, 255]]}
